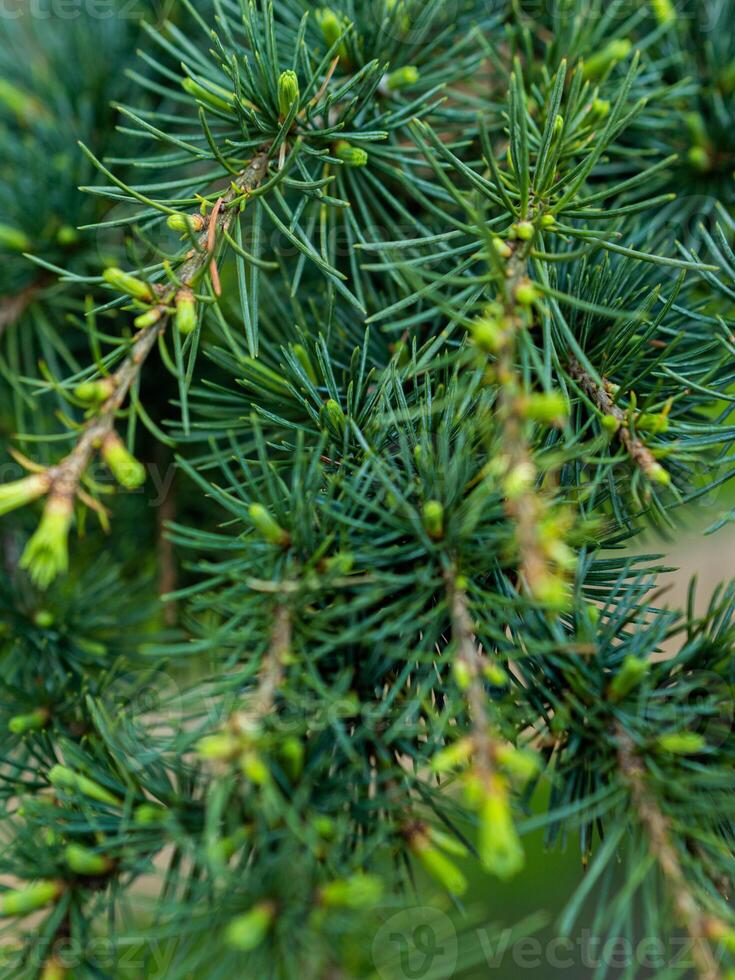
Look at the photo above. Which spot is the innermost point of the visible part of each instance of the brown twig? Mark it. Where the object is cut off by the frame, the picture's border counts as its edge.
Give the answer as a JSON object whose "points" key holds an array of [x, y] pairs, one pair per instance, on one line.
{"points": [[66, 476], [261, 703], [13, 307], [700, 928], [601, 395]]}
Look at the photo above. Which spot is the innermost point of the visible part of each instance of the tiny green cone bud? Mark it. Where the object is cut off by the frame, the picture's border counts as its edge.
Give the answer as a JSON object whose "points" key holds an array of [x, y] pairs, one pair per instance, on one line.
{"points": [[433, 515], [600, 108], [454, 755], [61, 777], [220, 747], [658, 474], [682, 743], [502, 247], [631, 674], [524, 230], [47, 553], [94, 392], [305, 361], [350, 155], [526, 294], [66, 235], [498, 845], [332, 26], [655, 422], [126, 469], [548, 221], [613, 52], [519, 480], [402, 78], [248, 931], [185, 223], [19, 493], [437, 864], [32, 722], [83, 861], [148, 319], [267, 527], [519, 763], [462, 675], [213, 95], [449, 843], [610, 423], [254, 768], [33, 897], [558, 127], [360, 891], [13, 239], [549, 407], [495, 674], [489, 334], [292, 756], [128, 284], [664, 12], [699, 159], [186, 312], [44, 619], [333, 418], [288, 92], [148, 814], [54, 970]]}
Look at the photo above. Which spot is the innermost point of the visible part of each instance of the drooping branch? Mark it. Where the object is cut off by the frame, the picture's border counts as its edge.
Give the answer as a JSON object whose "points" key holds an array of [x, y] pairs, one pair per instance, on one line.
{"points": [[700, 928]]}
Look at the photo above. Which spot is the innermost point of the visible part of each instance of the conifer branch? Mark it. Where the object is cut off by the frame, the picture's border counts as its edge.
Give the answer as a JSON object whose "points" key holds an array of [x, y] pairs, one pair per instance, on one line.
{"points": [[700, 928], [602, 396]]}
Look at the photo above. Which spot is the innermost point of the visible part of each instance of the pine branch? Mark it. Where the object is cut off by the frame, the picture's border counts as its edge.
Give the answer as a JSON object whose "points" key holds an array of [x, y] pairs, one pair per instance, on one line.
{"points": [[700, 928]]}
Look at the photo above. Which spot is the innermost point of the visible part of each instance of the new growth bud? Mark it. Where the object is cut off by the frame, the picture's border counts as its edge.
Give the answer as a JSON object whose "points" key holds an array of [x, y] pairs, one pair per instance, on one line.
{"points": [[83, 861], [427, 851], [61, 777], [267, 527], [600, 63], [214, 96], [630, 676], [22, 901], [185, 223], [13, 239], [433, 514], [288, 93], [22, 492], [47, 553], [128, 284], [126, 469], [248, 931], [360, 891], [402, 78], [32, 722], [186, 312], [350, 155]]}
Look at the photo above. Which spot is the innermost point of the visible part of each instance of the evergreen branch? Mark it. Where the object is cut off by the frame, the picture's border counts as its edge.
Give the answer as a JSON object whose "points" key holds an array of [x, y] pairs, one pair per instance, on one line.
{"points": [[700, 928], [602, 396]]}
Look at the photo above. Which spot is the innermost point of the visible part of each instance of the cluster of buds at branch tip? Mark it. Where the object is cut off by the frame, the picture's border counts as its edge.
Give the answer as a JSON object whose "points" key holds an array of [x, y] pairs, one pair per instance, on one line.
{"points": [[126, 469], [351, 156], [47, 553], [248, 931], [288, 93]]}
